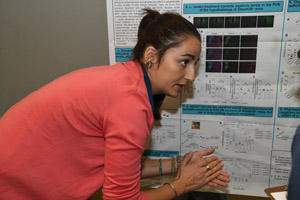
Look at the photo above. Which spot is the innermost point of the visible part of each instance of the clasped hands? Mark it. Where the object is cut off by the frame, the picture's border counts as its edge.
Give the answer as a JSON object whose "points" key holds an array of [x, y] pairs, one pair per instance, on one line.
{"points": [[198, 169]]}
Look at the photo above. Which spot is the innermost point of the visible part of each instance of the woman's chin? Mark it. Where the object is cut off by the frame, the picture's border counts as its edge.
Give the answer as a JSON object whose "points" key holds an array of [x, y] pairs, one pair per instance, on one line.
{"points": [[174, 95]]}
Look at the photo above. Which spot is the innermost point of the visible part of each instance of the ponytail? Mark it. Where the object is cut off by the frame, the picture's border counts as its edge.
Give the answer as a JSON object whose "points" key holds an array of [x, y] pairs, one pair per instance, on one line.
{"points": [[162, 31]]}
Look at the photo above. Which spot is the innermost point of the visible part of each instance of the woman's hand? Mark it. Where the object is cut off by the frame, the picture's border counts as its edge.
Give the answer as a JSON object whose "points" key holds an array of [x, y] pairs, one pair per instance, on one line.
{"points": [[222, 179], [196, 171]]}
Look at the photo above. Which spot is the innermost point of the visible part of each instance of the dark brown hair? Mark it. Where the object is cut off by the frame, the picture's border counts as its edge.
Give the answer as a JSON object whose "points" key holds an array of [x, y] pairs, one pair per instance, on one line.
{"points": [[162, 31]]}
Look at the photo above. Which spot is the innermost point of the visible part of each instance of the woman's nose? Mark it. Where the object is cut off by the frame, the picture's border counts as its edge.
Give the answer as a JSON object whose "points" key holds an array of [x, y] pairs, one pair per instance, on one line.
{"points": [[190, 74]]}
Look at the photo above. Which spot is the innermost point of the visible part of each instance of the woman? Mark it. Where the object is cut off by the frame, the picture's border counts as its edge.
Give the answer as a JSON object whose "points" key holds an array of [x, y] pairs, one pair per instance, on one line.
{"points": [[87, 129]]}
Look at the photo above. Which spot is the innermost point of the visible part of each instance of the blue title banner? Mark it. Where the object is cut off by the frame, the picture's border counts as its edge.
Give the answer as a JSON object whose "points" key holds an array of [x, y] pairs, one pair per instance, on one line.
{"points": [[123, 54], [288, 112], [227, 110], [294, 6], [245, 7]]}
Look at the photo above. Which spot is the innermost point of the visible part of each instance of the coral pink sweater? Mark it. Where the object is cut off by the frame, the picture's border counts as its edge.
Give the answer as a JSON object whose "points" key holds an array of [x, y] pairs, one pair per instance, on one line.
{"points": [[84, 130]]}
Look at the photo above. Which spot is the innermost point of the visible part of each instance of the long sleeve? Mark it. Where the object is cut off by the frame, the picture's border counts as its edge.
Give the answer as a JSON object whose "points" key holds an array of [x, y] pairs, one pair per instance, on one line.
{"points": [[126, 129], [85, 128]]}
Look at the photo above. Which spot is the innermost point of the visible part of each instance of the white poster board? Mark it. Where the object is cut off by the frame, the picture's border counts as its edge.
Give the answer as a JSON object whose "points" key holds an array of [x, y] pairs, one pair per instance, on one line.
{"points": [[242, 102]]}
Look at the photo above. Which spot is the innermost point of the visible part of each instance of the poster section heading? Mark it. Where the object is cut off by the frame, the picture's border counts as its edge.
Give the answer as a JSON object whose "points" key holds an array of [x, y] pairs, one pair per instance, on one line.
{"points": [[288, 112], [247, 7], [123, 54], [294, 6], [246, 111]]}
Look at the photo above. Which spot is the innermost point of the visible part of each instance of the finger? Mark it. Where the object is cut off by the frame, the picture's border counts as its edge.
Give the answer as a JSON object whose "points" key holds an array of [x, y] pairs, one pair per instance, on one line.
{"points": [[223, 173], [186, 159], [215, 169], [212, 176], [223, 178], [209, 161], [219, 182], [212, 184]]}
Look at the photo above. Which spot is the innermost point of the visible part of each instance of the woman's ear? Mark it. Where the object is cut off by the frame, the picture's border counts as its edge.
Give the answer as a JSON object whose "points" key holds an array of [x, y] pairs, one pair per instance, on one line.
{"points": [[150, 55]]}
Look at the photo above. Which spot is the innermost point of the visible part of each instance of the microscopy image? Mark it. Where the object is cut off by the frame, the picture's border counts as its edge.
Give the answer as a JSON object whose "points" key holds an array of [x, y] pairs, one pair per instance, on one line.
{"points": [[230, 54], [248, 54], [249, 22], [214, 41], [214, 54], [216, 22], [249, 40], [230, 67], [201, 22], [231, 41], [213, 66], [265, 21], [233, 22], [247, 67]]}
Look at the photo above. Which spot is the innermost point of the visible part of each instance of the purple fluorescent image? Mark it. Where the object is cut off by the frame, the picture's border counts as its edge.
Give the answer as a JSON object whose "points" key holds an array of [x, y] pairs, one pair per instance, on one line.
{"points": [[214, 41], [248, 54], [213, 54], [249, 40], [247, 67], [213, 66]]}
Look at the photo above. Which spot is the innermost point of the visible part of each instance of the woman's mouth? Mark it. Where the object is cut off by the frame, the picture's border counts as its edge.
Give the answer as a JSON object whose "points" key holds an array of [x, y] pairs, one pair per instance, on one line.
{"points": [[179, 87]]}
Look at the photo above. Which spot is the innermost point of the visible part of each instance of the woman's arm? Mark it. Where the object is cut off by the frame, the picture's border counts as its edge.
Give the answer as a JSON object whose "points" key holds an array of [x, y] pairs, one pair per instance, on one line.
{"points": [[150, 167], [192, 175], [123, 150]]}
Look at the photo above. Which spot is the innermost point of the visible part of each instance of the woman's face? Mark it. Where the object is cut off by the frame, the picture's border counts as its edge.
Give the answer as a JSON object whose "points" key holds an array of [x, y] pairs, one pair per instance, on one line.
{"points": [[176, 68]]}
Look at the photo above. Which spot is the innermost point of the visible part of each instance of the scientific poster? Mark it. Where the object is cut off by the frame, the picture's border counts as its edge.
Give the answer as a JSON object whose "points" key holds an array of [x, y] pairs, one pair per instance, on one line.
{"points": [[243, 101]]}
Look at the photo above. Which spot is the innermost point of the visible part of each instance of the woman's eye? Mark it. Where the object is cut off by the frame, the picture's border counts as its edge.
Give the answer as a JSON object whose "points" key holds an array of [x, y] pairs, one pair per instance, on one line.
{"points": [[184, 62]]}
